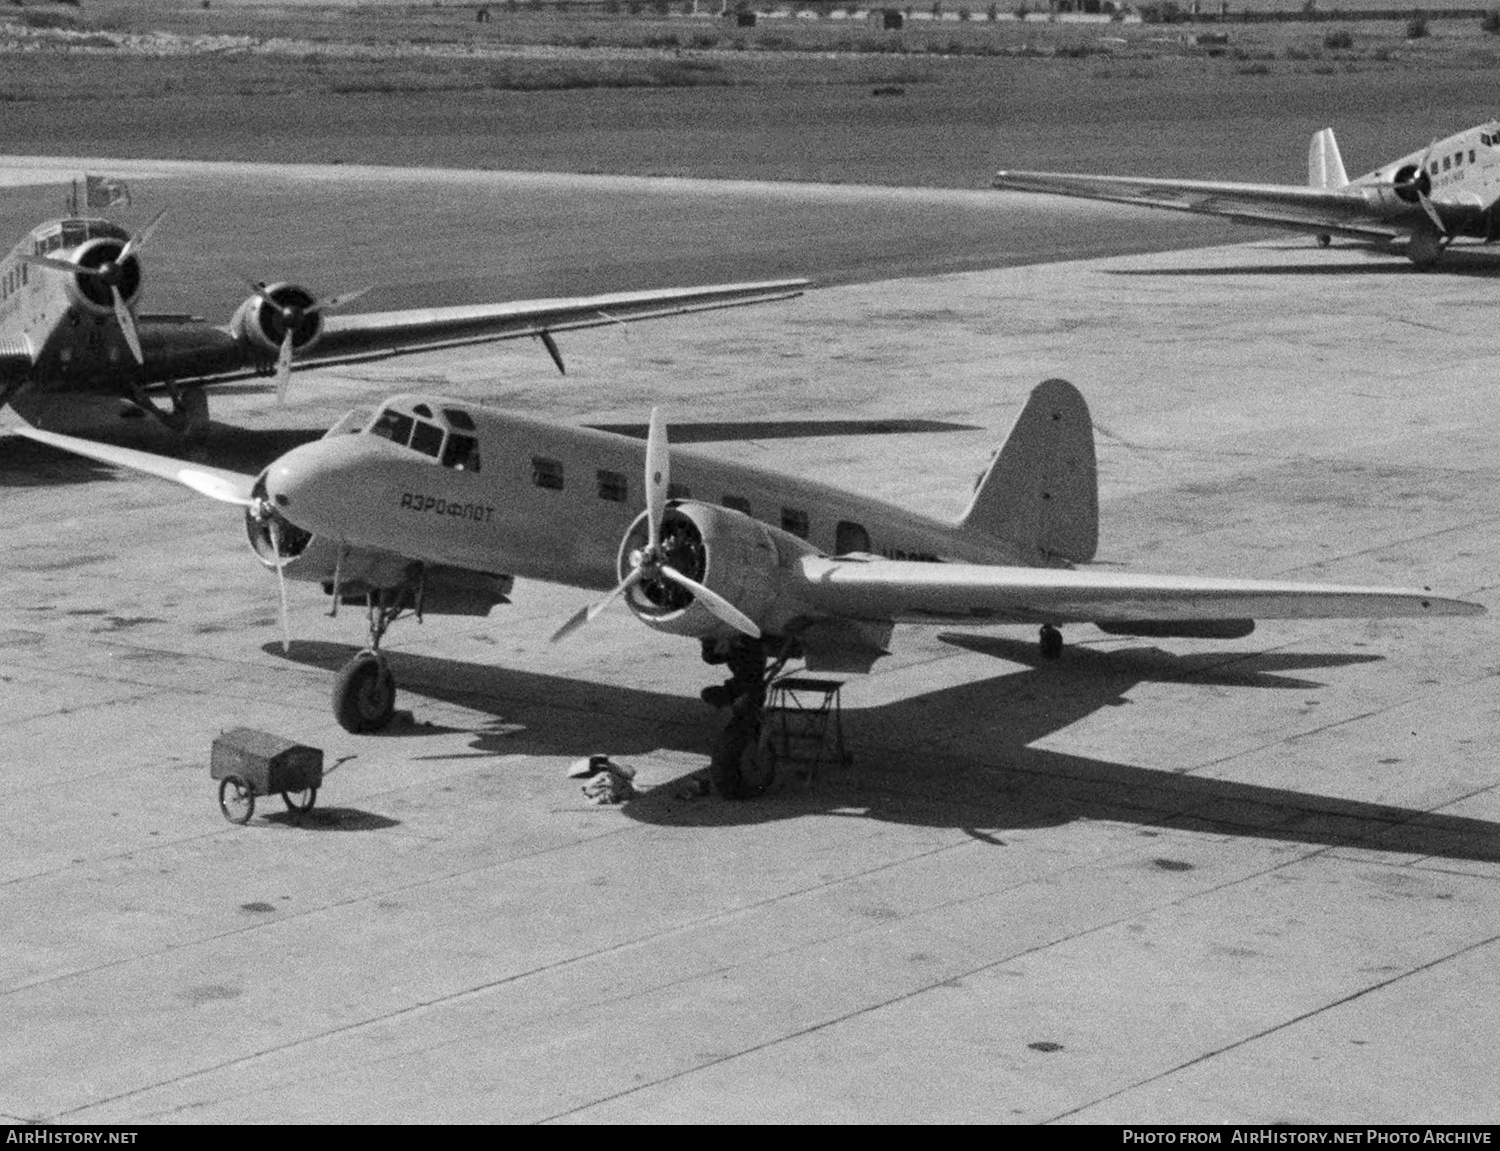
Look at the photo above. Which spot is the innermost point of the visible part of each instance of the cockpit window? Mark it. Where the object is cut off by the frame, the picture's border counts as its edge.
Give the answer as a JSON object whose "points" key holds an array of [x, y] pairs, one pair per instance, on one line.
{"points": [[460, 419], [461, 453], [394, 426], [427, 438], [423, 410]]}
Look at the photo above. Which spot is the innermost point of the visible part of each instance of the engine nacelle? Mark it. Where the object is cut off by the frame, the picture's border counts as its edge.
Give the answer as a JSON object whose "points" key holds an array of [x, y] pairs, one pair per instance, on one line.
{"points": [[257, 323], [730, 553], [92, 293], [1405, 184]]}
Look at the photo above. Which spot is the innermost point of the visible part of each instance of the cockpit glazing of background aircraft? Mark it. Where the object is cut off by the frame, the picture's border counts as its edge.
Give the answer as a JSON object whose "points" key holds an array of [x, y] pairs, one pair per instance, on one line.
{"points": [[69, 326], [435, 506], [1428, 198]]}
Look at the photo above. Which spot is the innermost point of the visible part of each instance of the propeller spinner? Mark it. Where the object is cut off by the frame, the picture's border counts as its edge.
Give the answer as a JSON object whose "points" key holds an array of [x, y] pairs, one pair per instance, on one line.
{"points": [[649, 563], [110, 273]]}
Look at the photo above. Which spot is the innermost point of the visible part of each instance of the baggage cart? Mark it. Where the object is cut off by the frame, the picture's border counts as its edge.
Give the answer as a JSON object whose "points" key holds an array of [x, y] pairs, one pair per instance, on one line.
{"points": [[248, 763]]}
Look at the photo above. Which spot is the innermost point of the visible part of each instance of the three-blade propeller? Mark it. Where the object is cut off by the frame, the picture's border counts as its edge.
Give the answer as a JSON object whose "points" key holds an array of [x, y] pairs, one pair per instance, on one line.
{"points": [[263, 512], [649, 562], [111, 273], [291, 316]]}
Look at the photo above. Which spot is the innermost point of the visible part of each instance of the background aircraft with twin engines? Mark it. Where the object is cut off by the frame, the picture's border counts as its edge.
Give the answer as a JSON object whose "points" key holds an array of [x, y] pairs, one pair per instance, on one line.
{"points": [[70, 326], [435, 506], [1428, 198]]}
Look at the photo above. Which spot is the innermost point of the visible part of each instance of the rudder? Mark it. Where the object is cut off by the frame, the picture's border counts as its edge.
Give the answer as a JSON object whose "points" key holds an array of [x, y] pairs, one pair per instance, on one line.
{"points": [[1325, 167], [1042, 488]]}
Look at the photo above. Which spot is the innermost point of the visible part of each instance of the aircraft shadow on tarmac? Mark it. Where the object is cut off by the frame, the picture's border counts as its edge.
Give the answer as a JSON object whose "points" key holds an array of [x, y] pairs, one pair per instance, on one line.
{"points": [[911, 767], [1358, 262]]}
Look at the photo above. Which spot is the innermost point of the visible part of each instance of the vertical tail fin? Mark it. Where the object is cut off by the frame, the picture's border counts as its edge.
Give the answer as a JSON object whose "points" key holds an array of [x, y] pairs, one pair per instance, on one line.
{"points": [[1042, 488], [1325, 167]]}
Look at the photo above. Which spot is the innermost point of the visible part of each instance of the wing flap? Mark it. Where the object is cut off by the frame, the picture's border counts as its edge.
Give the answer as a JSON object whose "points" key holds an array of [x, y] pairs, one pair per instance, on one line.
{"points": [[913, 592]]}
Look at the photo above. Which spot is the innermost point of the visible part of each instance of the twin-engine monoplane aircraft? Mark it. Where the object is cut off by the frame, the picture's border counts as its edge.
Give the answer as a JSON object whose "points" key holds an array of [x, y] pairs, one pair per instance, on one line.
{"points": [[435, 505], [1428, 198], [69, 325]]}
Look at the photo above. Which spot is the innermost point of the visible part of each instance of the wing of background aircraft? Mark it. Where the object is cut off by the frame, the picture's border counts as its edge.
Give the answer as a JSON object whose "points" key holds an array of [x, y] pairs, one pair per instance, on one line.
{"points": [[1346, 212], [391, 333]]}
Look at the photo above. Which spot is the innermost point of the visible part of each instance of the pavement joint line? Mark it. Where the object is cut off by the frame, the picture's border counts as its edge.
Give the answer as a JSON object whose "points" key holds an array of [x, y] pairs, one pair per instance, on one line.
{"points": [[1384, 983], [480, 989], [905, 996], [352, 900], [632, 994]]}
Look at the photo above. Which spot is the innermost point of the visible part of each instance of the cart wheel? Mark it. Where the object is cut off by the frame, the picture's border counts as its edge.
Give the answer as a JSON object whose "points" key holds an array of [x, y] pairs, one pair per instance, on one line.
{"points": [[364, 696], [300, 801], [236, 800]]}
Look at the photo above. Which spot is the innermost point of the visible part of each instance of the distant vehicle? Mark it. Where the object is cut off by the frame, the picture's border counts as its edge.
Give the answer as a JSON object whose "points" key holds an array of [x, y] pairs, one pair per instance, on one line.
{"points": [[1429, 198], [69, 325], [435, 505]]}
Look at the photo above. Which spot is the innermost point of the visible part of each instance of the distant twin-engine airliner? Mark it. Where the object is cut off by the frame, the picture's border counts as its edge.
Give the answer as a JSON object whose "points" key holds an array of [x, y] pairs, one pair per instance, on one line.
{"points": [[69, 325], [1428, 198]]}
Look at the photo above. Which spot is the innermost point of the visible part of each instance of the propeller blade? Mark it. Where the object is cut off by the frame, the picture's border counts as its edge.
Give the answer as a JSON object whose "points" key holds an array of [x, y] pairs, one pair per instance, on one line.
{"points": [[591, 612], [138, 241], [127, 326], [658, 476], [714, 602], [274, 527], [57, 265], [1432, 214], [284, 367], [337, 301]]}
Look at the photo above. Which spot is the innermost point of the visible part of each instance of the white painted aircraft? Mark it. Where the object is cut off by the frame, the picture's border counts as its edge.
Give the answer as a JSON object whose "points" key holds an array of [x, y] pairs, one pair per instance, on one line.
{"points": [[69, 325], [1428, 198], [435, 505]]}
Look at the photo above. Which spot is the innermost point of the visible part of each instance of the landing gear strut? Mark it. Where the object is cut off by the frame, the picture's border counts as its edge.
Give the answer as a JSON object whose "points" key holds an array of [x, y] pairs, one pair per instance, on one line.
{"points": [[364, 695], [188, 419], [1051, 642], [742, 765]]}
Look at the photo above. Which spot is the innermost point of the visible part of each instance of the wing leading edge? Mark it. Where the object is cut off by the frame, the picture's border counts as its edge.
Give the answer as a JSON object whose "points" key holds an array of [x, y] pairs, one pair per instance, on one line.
{"points": [[911, 592], [1345, 212], [216, 483], [377, 332]]}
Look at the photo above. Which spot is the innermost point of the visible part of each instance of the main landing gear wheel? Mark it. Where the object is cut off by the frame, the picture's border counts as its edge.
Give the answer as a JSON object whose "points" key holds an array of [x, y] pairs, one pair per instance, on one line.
{"points": [[364, 696], [300, 802], [743, 763], [236, 799], [1051, 642]]}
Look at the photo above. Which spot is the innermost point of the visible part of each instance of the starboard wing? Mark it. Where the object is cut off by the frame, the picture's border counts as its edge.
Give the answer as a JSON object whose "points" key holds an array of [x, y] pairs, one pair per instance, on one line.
{"points": [[216, 483], [910, 592]]}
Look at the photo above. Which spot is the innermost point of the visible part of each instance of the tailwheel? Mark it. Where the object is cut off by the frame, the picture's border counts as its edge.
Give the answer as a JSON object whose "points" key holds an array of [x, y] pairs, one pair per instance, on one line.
{"points": [[300, 801], [743, 764], [364, 696], [236, 799], [1324, 239], [1051, 642]]}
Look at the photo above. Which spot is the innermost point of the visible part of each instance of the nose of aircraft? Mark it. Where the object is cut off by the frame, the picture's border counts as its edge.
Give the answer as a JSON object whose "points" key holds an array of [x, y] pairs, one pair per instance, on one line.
{"points": [[320, 486]]}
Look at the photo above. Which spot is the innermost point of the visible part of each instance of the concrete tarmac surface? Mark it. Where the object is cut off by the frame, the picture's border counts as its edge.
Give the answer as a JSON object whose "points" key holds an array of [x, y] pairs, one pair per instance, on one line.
{"points": [[1168, 881]]}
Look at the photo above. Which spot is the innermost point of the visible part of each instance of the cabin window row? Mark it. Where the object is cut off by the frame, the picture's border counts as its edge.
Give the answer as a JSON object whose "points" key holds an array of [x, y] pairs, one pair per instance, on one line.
{"points": [[13, 280], [1453, 161], [615, 487]]}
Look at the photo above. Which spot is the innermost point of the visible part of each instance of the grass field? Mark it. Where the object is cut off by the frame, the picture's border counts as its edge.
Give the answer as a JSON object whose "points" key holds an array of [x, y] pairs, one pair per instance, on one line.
{"points": [[581, 91]]}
